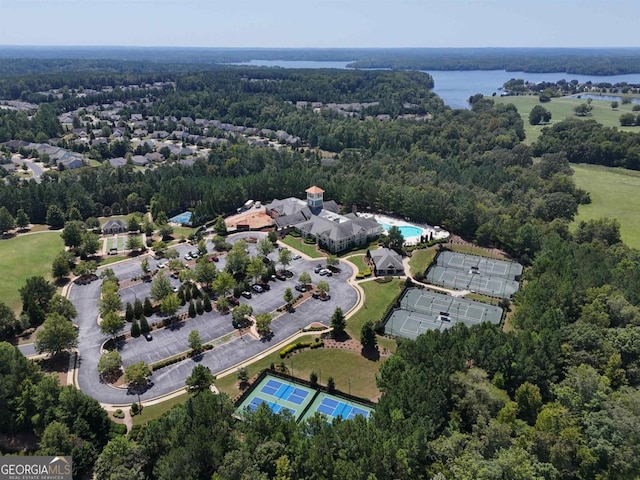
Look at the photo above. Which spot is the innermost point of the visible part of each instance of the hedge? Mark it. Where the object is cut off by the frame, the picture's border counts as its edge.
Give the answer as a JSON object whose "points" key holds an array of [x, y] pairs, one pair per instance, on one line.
{"points": [[297, 346]]}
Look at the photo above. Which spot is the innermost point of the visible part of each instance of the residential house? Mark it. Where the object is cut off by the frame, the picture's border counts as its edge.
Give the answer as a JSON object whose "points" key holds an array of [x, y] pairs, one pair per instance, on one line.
{"points": [[386, 262], [111, 227]]}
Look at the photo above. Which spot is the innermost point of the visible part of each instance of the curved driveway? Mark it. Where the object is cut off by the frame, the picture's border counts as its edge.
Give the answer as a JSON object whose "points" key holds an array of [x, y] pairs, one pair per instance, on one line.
{"points": [[168, 342]]}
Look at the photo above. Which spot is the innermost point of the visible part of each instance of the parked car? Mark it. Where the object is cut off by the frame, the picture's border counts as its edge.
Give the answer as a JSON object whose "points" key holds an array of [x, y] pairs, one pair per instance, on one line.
{"points": [[162, 265], [265, 286], [301, 288], [257, 289], [235, 324], [288, 273], [325, 298], [318, 268], [148, 336], [187, 257], [296, 257], [315, 295], [322, 272], [246, 294], [213, 258], [233, 300], [280, 276]]}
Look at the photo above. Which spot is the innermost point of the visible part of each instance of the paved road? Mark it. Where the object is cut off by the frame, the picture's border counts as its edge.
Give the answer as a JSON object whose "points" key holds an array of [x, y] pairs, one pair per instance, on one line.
{"points": [[36, 169], [169, 342]]}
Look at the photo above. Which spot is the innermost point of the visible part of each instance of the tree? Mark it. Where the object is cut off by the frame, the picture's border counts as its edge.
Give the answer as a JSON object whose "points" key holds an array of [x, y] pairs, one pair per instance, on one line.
{"points": [[56, 440], [243, 375], [288, 297], [222, 304], [202, 248], [7, 221], [110, 363], [323, 288], [200, 379], [170, 304], [128, 312], [206, 304], [195, 342], [134, 243], [61, 266], [627, 119], [112, 324], [138, 309], [192, 309], [338, 323], [220, 226], [614, 105], [394, 239], [368, 337], [22, 219], [205, 272], [137, 376], [62, 306], [165, 231], [148, 307], [305, 278], [272, 236], [144, 265], [241, 312], [90, 244], [55, 217], [110, 302], [583, 109], [160, 287], [8, 322], [72, 233], [256, 269], [285, 258], [56, 336], [333, 261], [144, 325], [539, 115], [223, 283], [265, 246], [529, 402], [135, 328], [237, 258], [133, 223], [331, 384], [36, 294], [263, 323]]}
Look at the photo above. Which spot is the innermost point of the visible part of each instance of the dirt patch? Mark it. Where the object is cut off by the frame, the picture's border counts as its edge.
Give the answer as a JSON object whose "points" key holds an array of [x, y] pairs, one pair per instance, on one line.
{"points": [[19, 442], [253, 218], [57, 366]]}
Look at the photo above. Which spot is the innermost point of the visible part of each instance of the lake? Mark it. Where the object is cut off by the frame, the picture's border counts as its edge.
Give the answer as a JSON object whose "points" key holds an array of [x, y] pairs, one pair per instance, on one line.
{"points": [[455, 87]]}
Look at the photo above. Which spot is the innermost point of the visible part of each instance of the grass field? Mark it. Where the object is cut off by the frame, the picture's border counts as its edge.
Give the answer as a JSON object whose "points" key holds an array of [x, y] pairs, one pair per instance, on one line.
{"points": [[614, 194], [378, 296], [472, 250], [358, 261], [421, 259], [155, 411], [562, 108], [22, 257], [298, 244]]}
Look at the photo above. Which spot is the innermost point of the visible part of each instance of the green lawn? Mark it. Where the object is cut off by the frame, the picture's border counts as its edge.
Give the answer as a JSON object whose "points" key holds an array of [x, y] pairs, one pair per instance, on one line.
{"points": [[155, 411], [342, 365], [358, 261], [562, 108], [421, 259], [614, 194], [298, 244], [25, 256], [378, 296], [471, 250]]}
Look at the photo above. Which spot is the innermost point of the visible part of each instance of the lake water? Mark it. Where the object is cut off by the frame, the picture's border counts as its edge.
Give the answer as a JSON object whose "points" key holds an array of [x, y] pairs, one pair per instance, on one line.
{"points": [[606, 98], [455, 87]]}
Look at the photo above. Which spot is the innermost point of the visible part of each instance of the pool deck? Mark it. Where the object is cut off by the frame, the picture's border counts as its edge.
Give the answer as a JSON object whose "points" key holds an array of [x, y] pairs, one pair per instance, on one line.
{"points": [[435, 232]]}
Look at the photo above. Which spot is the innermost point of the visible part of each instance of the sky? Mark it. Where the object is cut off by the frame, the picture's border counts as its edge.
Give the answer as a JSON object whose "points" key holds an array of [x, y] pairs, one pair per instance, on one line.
{"points": [[322, 23]]}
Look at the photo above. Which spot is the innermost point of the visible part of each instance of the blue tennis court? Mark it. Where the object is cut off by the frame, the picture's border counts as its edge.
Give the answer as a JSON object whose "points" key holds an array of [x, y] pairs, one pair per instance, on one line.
{"points": [[257, 401], [333, 408], [284, 392], [184, 218]]}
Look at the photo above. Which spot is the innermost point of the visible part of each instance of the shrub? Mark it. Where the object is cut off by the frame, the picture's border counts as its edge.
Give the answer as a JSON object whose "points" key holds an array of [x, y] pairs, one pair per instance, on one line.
{"points": [[331, 384], [117, 429], [313, 378], [310, 241], [135, 430], [293, 233], [295, 346], [316, 344], [367, 272], [135, 409], [359, 275], [118, 414]]}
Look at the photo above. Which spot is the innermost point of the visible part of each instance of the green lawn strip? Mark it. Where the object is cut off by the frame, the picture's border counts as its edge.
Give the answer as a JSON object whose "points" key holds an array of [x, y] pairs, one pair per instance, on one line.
{"points": [[378, 296], [562, 108], [298, 244], [343, 365], [470, 250], [388, 343], [152, 412], [358, 261], [482, 298], [360, 251], [614, 194], [112, 259], [179, 232], [421, 259], [25, 256]]}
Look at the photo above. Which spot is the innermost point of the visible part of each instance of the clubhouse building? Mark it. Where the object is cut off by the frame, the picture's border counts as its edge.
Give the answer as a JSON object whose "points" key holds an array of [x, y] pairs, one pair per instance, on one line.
{"points": [[322, 221]]}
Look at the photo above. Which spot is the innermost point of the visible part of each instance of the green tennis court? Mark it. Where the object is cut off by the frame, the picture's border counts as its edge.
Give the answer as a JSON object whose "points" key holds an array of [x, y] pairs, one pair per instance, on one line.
{"points": [[423, 310]]}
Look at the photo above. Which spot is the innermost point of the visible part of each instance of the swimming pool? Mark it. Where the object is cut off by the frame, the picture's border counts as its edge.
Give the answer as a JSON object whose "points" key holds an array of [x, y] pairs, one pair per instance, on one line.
{"points": [[408, 231]]}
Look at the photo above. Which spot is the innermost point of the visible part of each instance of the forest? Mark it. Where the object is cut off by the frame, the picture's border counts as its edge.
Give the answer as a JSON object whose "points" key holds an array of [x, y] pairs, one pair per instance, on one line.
{"points": [[553, 396]]}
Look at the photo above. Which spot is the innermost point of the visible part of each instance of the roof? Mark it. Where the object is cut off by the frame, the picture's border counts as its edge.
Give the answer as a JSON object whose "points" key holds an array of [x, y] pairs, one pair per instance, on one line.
{"points": [[114, 223], [314, 189], [386, 259]]}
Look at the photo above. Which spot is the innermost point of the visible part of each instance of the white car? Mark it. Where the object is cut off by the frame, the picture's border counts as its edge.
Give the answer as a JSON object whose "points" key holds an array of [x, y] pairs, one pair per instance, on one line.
{"points": [[162, 265], [187, 257], [296, 257]]}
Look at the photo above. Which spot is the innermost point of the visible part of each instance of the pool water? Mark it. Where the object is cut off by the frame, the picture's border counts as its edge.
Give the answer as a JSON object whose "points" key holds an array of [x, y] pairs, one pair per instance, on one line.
{"points": [[407, 231]]}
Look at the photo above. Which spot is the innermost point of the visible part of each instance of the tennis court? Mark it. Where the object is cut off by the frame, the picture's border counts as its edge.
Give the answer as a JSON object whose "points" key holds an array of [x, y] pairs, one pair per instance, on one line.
{"points": [[423, 310], [334, 407], [183, 219], [473, 281], [280, 396], [118, 242], [485, 266]]}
